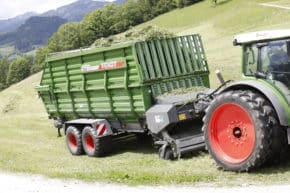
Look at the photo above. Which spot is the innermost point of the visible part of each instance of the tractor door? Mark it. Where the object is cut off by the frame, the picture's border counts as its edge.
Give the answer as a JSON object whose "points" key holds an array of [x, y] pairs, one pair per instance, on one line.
{"points": [[271, 59]]}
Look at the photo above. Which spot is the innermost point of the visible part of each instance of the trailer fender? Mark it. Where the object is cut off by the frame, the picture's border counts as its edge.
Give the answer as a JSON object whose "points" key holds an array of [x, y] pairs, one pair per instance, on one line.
{"points": [[267, 92], [101, 125]]}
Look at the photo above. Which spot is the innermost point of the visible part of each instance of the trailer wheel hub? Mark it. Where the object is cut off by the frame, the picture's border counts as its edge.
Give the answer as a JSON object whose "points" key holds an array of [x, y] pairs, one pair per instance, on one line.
{"points": [[232, 134]]}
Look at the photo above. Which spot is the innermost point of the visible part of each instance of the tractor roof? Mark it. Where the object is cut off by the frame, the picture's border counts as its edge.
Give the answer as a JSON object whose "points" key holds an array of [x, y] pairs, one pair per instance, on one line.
{"points": [[261, 36]]}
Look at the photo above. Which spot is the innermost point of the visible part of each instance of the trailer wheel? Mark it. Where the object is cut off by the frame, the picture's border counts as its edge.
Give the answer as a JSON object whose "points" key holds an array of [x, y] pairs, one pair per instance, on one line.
{"points": [[74, 140], [95, 146], [237, 128]]}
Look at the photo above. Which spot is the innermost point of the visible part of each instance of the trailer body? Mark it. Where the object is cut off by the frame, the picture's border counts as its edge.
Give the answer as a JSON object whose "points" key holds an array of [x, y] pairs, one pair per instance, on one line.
{"points": [[120, 83]]}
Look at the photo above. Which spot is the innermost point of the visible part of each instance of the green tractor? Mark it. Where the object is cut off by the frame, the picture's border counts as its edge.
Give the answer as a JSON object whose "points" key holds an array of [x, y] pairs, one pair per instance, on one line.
{"points": [[247, 123]]}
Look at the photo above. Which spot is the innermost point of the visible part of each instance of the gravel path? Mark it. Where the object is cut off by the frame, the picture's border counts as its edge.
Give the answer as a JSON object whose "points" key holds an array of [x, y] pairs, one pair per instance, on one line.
{"points": [[19, 183]]}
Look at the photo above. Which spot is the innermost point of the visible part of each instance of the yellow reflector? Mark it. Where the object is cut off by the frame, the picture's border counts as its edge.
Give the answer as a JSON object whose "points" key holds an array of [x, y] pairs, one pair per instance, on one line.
{"points": [[182, 116]]}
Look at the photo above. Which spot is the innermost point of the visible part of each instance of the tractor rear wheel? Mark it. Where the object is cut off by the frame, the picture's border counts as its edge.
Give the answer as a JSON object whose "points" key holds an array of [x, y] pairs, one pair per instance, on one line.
{"points": [[239, 128], [95, 146], [74, 140]]}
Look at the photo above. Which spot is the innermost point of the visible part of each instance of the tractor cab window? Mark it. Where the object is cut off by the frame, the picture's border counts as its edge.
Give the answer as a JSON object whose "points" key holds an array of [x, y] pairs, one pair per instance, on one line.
{"points": [[270, 58], [251, 55], [278, 53], [275, 59]]}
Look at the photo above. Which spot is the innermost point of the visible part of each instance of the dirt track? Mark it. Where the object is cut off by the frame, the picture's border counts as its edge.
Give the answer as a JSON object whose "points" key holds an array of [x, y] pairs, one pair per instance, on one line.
{"points": [[19, 183]]}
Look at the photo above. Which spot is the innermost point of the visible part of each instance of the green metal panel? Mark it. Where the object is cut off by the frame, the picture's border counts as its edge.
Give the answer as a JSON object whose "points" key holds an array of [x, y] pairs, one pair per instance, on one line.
{"points": [[173, 63], [118, 83]]}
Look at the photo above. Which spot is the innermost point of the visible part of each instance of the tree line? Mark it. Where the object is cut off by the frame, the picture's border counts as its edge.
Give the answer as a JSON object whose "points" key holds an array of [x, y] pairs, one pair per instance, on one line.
{"points": [[13, 71], [100, 23], [110, 20]]}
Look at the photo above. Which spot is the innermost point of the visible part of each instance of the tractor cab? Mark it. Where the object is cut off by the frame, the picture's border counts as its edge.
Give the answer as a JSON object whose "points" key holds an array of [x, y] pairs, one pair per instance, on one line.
{"points": [[266, 54]]}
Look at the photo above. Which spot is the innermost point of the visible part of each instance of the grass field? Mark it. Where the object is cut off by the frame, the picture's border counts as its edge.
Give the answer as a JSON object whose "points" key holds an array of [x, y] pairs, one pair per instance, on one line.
{"points": [[28, 139]]}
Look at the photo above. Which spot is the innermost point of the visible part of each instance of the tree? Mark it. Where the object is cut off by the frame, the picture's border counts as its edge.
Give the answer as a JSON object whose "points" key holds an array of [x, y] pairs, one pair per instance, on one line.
{"points": [[127, 16], [4, 66], [179, 3], [69, 36], [19, 69], [146, 7], [184, 3], [39, 60], [99, 23], [164, 6]]}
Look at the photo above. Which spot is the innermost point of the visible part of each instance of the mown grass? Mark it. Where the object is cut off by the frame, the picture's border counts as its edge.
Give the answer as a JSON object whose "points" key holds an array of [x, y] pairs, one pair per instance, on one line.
{"points": [[29, 143]]}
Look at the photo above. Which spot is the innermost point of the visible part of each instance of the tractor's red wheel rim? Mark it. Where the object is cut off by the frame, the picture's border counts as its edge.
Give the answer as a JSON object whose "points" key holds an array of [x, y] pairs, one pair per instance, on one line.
{"points": [[89, 142], [72, 141], [232, 133]]}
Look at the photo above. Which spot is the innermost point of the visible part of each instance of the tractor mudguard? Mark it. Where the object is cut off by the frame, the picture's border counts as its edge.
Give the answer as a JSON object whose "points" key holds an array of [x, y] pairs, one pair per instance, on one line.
{"points": [[279, 103]]}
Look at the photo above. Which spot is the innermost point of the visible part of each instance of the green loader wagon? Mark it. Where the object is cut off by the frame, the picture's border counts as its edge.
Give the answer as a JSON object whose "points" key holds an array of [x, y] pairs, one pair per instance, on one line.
{"points": [[161, 88], [95, 94]]}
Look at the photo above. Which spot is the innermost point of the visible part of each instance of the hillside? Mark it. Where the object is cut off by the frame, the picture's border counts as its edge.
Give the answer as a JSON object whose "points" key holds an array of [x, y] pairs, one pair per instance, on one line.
{"points": [[11, 24], [34, 32], [218, 25], [71, 12], [77, 10], [38, 28], [27, 135]]}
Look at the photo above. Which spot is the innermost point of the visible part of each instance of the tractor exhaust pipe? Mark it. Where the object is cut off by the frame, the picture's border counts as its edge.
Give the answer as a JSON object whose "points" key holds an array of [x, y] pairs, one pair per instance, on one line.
{"points": [[220, 76]]}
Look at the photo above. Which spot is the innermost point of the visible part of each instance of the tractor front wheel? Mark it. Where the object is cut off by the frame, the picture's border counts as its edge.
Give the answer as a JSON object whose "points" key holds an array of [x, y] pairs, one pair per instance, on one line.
{"points": [[238, 130]]}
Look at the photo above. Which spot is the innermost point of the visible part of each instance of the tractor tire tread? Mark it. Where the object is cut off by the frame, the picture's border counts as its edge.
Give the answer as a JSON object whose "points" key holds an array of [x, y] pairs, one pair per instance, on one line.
{"points": [[264, 148]]}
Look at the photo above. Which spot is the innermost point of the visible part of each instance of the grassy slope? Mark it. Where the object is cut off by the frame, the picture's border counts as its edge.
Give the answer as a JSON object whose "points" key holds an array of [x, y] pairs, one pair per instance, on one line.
{"points": [[29, 143]]}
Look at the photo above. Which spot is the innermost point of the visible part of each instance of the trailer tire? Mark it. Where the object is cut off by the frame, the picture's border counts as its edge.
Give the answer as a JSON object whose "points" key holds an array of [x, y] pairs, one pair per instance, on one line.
{"points": [[74, 140], [95, 146], [237, 130]]}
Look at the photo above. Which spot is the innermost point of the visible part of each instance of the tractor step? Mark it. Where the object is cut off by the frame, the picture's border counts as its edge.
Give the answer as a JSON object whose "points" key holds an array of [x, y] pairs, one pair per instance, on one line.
{"points": [[174, 148], [190, 143]]}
